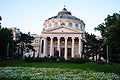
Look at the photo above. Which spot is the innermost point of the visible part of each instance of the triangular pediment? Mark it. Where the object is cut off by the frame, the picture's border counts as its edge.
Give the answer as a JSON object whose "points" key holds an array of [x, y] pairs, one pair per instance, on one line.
{"points": [[63, 30]]}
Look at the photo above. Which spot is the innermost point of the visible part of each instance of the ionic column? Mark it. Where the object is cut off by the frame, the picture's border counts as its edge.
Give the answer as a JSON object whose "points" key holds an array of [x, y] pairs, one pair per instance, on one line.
{"points": [[40, 47], [65, 56], [58, 46], [51, 46], [45, 47], [80, 47], [73, 42]]}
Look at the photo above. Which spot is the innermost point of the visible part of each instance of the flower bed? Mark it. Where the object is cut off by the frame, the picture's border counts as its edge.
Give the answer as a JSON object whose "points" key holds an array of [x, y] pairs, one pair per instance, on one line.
{"points": [[31, 73]]}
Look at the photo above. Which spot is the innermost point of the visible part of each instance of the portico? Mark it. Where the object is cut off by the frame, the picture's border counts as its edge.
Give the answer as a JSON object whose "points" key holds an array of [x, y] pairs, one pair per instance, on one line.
{"points": [[64, 44]]}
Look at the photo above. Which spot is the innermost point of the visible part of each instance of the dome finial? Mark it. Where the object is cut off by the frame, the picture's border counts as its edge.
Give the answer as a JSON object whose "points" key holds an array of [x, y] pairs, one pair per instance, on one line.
{"points": [[64, 6], [64, 9]]}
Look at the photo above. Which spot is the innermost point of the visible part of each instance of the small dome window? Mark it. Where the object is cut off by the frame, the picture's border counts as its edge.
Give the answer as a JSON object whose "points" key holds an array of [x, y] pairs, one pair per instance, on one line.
{"points": [[55, 24], [70, 24], [49, 25], [36, 41], [62, 24], [77, 25]]}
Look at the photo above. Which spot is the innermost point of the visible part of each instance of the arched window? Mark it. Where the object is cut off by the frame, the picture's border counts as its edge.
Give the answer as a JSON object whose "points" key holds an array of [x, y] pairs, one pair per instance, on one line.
{"points": [[55, 24], [76, 25], [49, 25], [62, 24], [36, 41], [70, 24]]}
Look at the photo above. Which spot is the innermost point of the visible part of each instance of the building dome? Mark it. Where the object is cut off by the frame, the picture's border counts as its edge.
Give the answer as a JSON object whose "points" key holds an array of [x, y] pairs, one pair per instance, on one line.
{"points": [[61, 36], [63, 18], [64, 14], [64, 11]]}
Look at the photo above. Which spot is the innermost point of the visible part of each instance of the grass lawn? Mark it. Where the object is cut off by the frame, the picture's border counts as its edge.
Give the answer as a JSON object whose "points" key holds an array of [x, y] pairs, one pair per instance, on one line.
{"points": [[12, 70]]}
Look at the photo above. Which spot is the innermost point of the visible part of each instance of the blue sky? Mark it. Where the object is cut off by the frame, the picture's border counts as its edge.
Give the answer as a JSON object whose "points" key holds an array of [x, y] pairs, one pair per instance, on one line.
{"points": [[29, 15]]}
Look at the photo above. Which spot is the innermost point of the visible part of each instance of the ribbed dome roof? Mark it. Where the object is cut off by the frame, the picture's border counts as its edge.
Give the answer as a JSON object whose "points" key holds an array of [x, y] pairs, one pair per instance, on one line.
{"points": [[64, 14]]}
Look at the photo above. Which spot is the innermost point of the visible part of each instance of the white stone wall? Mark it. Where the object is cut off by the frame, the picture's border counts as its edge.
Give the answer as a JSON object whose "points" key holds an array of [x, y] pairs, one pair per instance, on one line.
{"points": [[77, 24]]}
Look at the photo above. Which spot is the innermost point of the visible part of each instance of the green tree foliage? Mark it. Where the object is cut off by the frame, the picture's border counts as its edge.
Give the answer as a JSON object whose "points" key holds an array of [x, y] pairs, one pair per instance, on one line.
{"points": [[24, 43], [110, 31], [0, 20], [6, 42], [92, 47]]}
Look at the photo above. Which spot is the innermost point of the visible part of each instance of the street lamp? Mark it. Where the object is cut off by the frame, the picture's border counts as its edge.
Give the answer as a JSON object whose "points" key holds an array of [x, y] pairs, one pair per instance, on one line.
{"points": [[107, 49]]}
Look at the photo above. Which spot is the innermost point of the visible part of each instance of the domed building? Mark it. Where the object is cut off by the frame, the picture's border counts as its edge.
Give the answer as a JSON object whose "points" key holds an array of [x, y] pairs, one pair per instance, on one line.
{"points": [[61, 36]]}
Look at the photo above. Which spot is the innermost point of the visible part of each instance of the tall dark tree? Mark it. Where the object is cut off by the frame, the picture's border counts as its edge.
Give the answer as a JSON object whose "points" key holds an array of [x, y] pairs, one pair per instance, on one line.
{"points": [[110, 31], [24, 43], [92, 47], [6, 43], [0, 20]]}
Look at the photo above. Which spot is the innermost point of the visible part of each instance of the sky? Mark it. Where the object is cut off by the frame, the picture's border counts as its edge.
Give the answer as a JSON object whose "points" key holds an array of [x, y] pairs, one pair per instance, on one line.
{"points": [[29, 15]]}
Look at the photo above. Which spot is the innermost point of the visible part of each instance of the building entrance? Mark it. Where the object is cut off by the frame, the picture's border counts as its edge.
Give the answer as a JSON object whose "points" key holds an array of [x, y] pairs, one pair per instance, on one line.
{"points": [[62, 50], [69, 53]]}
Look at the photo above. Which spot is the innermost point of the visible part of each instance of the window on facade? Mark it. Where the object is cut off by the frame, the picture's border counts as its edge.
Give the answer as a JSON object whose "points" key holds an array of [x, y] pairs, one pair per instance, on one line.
{"points": [[62, 24], [70, 24], [77, 25], [36, 41], [49, 25], [55, 24]]}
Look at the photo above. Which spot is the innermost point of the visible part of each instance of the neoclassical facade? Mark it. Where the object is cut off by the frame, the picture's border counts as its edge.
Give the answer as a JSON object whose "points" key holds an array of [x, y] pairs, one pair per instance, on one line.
{"points": [[61, 36]]}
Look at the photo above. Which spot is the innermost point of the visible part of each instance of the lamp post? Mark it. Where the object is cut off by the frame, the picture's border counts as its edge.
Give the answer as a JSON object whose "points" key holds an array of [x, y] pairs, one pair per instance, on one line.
{"points": [[107, 53], [107, 50]]}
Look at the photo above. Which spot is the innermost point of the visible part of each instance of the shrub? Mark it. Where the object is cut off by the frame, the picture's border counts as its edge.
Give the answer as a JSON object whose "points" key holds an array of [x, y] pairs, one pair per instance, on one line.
{"points": [[56, 59], [78, 60]]}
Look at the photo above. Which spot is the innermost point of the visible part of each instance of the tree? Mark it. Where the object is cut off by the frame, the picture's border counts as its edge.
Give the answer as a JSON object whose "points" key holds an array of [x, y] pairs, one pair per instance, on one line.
{"points": [[0, 20], [92, 47], [24, 43], [6, 41], [110, 31]]}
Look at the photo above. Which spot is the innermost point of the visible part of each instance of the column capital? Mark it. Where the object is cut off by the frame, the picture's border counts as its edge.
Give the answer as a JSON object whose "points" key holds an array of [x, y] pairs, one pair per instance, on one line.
{"points": [[44, 37], [79, 37], [51, 37], [58, 37], [73, 37], [65, 37]]}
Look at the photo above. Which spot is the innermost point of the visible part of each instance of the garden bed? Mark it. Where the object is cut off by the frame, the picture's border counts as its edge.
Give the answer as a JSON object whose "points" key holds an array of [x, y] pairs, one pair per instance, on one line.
{"points": [[32, 73]]}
